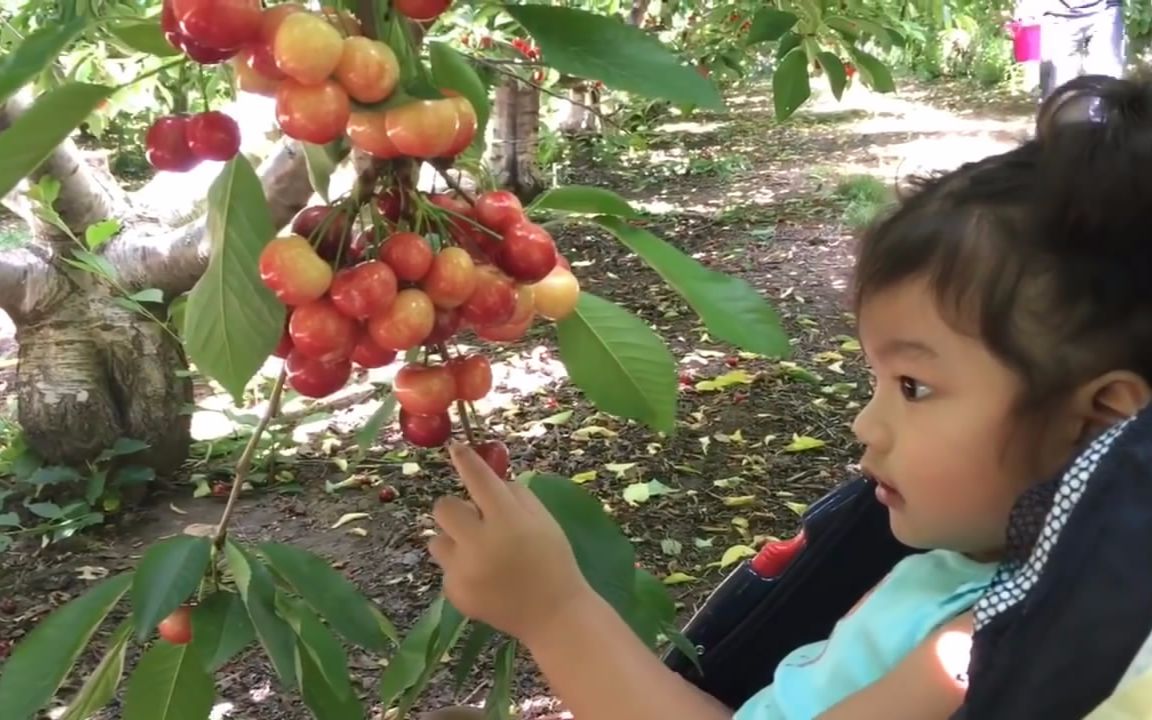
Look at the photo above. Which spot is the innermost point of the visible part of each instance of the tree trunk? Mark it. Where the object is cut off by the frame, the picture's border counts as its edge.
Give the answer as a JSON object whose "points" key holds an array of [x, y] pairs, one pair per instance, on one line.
{"points": [[515, 132], [580, 114], [91, 370]]}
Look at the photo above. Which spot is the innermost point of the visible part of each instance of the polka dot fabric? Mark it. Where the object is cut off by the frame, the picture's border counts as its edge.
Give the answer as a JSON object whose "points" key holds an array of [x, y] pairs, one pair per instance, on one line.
{"points": [[1035, 526]]}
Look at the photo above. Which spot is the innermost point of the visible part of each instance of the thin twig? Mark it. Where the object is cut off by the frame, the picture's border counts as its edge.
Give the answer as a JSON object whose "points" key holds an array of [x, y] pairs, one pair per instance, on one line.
{"points": [[463, 411], [453, 183], [555, 94], [245, 460]]}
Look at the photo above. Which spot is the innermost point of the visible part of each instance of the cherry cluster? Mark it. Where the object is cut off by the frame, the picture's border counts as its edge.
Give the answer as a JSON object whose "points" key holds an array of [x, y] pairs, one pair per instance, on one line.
{"points": [[359, 299], [327, 77]]}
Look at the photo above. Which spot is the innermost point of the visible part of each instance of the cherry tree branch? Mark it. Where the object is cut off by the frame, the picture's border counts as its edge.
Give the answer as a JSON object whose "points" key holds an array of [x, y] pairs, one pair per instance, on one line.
{"points": [[29, 281], [88, 193], [150, 256]]}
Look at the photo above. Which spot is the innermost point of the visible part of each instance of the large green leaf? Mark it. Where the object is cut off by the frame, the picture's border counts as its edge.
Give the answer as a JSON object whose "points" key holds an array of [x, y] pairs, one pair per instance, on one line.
{"points": [[624, 57], [142, 35], [448, 630], [834, 69], [790, 85], [331, 595], [499, 700], [475, 644], [875, 73], [732, 310], [100, 687], [169, 683], [169, 573], [451, 70], [38, 50], [407, 665], [584, 199], [259, 594], [232, 322], [32, 137], [42, 660], [619, 363], [653, 609], [221, 628], [603, 552], [769, 25], [323, 666]]}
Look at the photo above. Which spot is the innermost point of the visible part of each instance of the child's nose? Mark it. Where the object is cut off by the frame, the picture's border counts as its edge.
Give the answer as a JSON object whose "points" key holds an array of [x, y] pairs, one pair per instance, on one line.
{"points": [[869, 428]]}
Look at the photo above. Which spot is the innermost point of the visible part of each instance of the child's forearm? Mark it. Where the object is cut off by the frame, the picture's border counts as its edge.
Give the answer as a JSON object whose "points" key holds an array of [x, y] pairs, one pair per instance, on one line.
{"points": [[601, 670]]}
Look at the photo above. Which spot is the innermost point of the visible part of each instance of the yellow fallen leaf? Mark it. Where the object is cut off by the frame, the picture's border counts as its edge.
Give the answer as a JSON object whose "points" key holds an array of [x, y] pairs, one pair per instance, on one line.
{"points": [[350, 517], [619, 468], [798, 508], [361, 532], [800, 443], [850, 345], [739, 501], [736, 377], [828, 356], [173, 508], [558, 419], [587, 433], [741, 522], [410, 468], [679, 578], [581, 478], [735, 554]]}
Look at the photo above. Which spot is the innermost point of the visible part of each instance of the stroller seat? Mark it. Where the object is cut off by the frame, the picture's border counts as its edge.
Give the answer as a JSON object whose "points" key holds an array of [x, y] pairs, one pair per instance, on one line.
{"points": [[1066, 623]]}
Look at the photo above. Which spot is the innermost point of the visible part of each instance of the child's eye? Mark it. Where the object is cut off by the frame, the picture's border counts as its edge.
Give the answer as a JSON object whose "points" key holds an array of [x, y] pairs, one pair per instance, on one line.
{"points": [[913, 389]]}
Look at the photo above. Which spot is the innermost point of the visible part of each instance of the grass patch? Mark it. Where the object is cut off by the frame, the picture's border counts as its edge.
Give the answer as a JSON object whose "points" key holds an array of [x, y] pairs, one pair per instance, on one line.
{"points": [[863, 198]]}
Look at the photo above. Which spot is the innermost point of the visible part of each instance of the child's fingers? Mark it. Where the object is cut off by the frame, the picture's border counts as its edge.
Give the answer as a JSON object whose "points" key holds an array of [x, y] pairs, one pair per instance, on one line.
{"points": [[458, 517], [442, 548], [488, 491]]}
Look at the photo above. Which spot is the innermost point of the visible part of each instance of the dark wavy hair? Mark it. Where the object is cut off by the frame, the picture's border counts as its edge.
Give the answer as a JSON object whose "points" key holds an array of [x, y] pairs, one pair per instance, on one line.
{"points": [[1045, 251]]}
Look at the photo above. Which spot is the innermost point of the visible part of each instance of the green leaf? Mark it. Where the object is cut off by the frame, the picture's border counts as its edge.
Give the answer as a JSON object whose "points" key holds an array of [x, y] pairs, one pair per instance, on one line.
{"points": [[35, 54], [331, 595], [323, 666], [9, 519], [148, 295], [220, 629], [99, 233], [653, 608], [46, 510], [499, 700], [834, 69], [259, 595], [477, 640], [32, 137], [731, 309], [321, 162], [584, 199], [169, 683], [408, 663], [53, 475], [452, 70], [448, 630], [624, 57], [100, 687], [232, 322], [127, 446], [604, 554], [142, 35], [790, 86], [168, 574], [874, 73], [42, 660], [618, 362], [769, 25], [787, 44]]}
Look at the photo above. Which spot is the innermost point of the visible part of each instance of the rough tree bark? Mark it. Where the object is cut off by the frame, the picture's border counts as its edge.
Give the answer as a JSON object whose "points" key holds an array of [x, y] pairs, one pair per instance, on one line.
{"points": [[515, 123], [90, 370]]}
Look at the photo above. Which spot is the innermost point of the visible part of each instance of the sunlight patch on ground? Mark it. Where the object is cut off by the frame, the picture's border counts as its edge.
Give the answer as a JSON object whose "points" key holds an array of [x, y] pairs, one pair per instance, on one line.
{"points": [[690, 128]]}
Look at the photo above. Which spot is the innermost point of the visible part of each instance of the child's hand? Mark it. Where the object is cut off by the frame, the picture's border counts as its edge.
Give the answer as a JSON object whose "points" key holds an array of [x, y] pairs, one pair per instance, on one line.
{"points": [[506, 561]]}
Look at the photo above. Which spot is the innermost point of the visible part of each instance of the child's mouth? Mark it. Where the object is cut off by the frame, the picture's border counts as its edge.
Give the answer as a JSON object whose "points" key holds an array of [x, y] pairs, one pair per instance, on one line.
{"points": [[888, 495]]}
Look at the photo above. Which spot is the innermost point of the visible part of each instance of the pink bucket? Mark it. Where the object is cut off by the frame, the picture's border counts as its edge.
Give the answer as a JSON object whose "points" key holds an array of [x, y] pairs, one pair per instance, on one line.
{"points": [[1026, 42]]}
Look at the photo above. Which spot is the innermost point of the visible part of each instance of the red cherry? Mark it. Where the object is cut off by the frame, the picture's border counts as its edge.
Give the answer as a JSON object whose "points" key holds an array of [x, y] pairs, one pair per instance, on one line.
{"points": [[473, 376], [219, 24], [363, 290], [495, 454], [213, 135], [391, 203], [421, 10], [316, 378], [424, 389], [321, 331], [425, 430], [370, 355], [498, 210], [528, 252], [448, 322], [177, 627], [166, 144]]}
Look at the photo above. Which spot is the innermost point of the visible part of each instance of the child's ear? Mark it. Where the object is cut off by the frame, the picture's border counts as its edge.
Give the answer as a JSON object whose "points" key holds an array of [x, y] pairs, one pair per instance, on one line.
{"points": [[1108, 399]]}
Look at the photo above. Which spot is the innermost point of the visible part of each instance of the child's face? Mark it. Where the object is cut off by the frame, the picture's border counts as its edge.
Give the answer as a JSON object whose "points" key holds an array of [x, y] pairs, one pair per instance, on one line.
{"points": [[939, 430]]}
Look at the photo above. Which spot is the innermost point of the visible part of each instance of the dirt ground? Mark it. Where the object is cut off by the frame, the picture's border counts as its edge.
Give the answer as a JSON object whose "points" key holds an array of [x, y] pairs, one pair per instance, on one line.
{"points": [[741, 193]]}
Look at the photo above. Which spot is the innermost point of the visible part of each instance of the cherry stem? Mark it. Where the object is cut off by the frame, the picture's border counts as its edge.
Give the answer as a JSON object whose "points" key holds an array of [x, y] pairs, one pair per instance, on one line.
{"points": [[453, 183], [462, 409], [245, 461]]}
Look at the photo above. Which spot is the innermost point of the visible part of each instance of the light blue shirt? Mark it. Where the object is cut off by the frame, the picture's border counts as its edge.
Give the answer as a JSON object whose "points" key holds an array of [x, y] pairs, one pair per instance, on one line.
{"points": [[922, 592]]}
